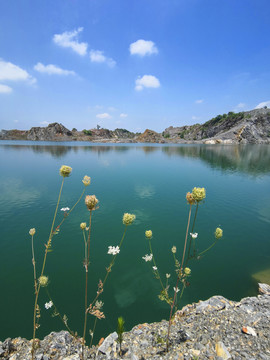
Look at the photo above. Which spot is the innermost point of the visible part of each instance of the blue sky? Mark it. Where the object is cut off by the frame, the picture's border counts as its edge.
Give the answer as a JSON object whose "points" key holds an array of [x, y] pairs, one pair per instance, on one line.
{"points": [[131, 64]]}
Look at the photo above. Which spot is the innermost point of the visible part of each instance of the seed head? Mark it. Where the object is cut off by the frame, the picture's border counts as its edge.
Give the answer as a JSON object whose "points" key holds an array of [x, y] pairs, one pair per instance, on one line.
{"points": [[190, 199], [198, 194], [43, 280], [83, 226], [187, 271], [32, 231], [65, 170], [149, 234], [174, 249], [91, 202], [218, 233], [86, 180], [128, 219]]}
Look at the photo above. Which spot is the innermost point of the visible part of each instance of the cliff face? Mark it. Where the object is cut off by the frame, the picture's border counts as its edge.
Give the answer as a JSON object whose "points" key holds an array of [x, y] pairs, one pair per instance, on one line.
{"points": [[232, 128], [244, 127]]}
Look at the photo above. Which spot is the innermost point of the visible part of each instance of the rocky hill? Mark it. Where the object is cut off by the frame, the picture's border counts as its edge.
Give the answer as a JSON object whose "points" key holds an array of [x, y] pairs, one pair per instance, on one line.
{"points": [[244, 127], [232, 128]]}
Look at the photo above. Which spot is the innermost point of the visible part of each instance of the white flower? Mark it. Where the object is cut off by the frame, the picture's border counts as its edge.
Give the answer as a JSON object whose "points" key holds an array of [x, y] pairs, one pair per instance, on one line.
{"points": [[148, 257], [168, 276], [176, 289], [113, 250], [48, 305], [65, 209], [154, 268], [194, 236]]}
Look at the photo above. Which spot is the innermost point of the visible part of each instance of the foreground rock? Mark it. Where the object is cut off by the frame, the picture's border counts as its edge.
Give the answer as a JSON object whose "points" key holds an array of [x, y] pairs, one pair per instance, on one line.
{"points": [[213, 329]]}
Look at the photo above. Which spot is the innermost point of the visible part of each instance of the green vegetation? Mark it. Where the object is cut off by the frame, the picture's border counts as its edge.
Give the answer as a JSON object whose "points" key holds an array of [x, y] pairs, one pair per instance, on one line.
{"points": [[120, 331], [166, 135], [87, 132], [230, 117]]}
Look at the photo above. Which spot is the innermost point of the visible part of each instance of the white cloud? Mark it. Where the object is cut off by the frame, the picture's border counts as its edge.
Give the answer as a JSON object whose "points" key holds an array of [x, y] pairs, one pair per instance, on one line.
{"points": [[195, 118], [69, 39], [142, 48], [123, 115], [11, 72], [4, 89], [147, 81], [52, 69], [98, 57], [103, 116], [46, 123], [263, 104], [200, 101]]}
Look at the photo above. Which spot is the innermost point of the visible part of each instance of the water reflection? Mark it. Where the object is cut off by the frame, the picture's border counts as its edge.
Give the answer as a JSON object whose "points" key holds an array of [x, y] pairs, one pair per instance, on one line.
{"points": [[252, 159]]}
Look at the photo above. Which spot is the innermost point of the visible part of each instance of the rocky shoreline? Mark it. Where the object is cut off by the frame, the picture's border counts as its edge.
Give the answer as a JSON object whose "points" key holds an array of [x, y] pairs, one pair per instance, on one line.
{"points": [[213, 329], [250, 127]]}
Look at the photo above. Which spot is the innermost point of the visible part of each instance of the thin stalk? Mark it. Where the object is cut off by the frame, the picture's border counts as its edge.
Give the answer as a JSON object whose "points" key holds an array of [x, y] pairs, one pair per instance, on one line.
{"points": [[214, 243], [178, 278], [86, 277], [43, 267], [94, 328], [190, 238], [34, 265], [107, 274], [154, 262], [58, 313]]}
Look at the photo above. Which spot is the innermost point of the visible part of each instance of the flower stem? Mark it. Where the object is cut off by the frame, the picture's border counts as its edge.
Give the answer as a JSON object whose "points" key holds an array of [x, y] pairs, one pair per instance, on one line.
{"points": [[214, 243], [154, 262], [34, 265], [43, 267], [86, 277]]}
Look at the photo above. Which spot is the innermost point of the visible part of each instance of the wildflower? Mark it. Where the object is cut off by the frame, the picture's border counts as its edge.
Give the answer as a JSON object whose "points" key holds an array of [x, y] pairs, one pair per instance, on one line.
{"points": [[65, 209], [83, 226], [168, 276], [128, 219], [218, 233], [32, 231], [91, 202], [113, 250], [43, 281], [190, 198], [187, 271], [154, 268], [99, 304], [176, 289], [86, 180], [148, 257], [198, 194], [148, 234], [48, 305], [194, 235], [174, 249], [65, 170]]}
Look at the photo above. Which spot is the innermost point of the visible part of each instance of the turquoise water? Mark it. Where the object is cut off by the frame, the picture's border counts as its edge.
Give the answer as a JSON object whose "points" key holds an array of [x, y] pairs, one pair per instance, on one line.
{"points": [[150, 181]]}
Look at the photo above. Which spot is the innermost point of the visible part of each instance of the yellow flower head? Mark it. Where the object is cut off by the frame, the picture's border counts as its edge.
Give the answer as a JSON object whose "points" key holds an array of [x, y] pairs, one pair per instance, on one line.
{"points": [[198, 194], [174, 249], [187, 271], [91, 202], [83, 226], [65, 170], [218, 233], [43, 280], [128, 219], [32, 231], [190, 198], [148, 234], [86, 180]]}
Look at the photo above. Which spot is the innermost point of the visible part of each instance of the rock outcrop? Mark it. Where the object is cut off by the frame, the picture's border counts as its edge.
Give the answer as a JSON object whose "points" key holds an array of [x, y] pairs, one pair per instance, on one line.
{"points": [[213, 329], [250, 127]]}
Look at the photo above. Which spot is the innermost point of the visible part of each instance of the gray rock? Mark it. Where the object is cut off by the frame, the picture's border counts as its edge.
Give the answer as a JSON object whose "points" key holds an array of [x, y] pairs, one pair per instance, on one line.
{"points": [[108, 342]]}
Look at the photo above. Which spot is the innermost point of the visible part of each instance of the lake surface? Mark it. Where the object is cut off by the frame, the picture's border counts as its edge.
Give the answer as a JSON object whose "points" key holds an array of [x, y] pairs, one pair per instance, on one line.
{"points": [[150, 181]]}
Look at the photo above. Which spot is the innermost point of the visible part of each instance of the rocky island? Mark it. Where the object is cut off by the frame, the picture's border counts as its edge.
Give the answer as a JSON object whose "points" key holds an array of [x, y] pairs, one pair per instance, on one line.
{"points": [[213, 329], [250, 127]]}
